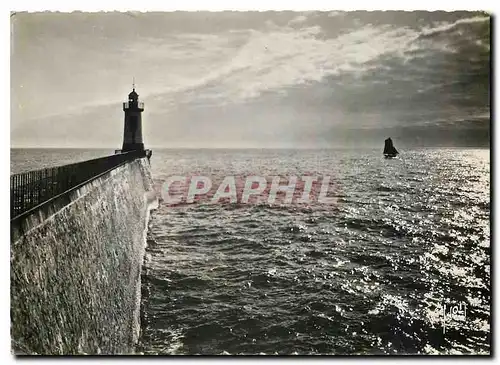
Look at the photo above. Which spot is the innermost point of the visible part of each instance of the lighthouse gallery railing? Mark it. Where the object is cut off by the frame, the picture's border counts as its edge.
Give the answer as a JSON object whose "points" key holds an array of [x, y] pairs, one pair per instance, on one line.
{"points": [[32, 188]]}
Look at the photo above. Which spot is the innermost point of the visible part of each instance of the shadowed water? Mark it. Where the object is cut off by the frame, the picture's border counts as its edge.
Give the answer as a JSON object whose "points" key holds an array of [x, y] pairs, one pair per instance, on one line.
{"points": [[367, 275], [26, 159]]}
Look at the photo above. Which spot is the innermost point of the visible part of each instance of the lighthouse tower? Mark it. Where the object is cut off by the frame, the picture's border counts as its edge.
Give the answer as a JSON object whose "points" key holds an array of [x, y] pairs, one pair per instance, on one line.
{"points": [[132, 132]]}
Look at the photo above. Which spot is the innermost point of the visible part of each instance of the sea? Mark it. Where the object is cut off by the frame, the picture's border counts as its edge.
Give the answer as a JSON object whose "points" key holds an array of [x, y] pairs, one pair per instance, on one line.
{"points": [[398, 262]]}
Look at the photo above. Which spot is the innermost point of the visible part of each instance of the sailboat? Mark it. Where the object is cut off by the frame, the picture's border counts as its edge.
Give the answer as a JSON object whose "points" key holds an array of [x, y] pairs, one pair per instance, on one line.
{"points": [[389, 150]]}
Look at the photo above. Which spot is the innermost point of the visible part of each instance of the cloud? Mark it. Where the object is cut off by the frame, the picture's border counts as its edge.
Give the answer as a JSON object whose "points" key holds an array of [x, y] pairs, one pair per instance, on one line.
{"points": [[298, 20], [333, 14], [243, 63], [444, 26], [272, 60], [333, 72]]}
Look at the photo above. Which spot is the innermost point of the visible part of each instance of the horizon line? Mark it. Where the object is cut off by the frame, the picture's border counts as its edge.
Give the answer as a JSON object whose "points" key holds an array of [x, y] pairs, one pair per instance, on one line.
{"points": [[240, 148]]}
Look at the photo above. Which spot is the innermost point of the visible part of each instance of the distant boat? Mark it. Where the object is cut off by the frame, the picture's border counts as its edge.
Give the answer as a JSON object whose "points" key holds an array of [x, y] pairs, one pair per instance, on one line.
{"points": [[389, 150]]}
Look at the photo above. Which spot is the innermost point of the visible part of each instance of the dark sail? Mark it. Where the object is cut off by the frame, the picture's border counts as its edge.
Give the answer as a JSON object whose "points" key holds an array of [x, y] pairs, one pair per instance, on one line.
{"points": [[389, 148]]}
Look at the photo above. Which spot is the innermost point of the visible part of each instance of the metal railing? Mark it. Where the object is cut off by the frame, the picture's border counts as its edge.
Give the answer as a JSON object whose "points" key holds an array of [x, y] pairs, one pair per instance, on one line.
{"points": [[32, 188], [128, 105]]}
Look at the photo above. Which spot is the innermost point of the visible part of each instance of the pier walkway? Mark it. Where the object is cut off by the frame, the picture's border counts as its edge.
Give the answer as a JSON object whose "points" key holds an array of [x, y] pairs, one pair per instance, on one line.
{"points": [[31, 190]]}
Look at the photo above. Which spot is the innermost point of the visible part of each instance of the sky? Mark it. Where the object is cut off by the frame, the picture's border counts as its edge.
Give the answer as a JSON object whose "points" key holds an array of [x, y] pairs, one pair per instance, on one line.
{"points": [[252, 79]]}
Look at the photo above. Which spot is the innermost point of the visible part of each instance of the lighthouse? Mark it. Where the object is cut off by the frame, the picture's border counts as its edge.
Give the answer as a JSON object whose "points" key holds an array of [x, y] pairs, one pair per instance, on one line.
{"points": [[132, 131]]}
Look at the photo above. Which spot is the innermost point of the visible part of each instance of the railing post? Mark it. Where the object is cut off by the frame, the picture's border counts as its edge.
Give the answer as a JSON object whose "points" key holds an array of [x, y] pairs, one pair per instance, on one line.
{"points": [[12, 192], [30, 178], [22, 191]]}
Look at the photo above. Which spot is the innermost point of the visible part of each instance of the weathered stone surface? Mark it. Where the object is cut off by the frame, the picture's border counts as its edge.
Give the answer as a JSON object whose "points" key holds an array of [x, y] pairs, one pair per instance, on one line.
{"points": [[75, 272]]}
